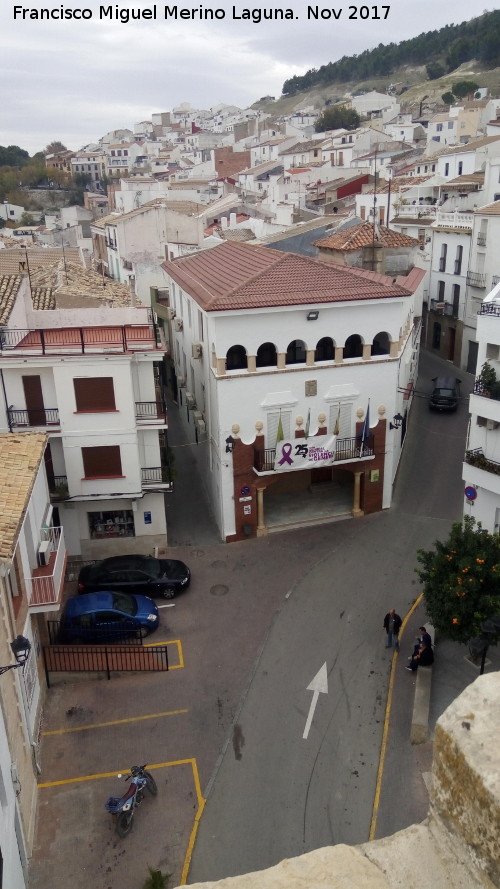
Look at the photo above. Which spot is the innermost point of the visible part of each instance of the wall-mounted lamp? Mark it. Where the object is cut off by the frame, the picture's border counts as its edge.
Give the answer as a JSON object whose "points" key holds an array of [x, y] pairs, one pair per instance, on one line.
{"points": [[21, 648], [229, 444], [397, 422], [312, 316]]}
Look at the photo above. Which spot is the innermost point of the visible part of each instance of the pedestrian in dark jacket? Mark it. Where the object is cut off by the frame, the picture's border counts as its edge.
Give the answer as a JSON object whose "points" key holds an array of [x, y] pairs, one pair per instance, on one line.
{"points": [[424, 658], [392, 626], [423, 639]]}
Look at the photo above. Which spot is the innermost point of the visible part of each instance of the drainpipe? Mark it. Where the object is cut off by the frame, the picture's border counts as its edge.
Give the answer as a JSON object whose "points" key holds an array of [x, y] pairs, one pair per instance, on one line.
{"points": [[5, 400]]}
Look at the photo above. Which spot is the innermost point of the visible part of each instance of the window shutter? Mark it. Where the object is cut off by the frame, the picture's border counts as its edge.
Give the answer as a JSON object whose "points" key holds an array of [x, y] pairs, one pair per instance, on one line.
{"points": [[94, 394], [102, 461], [272, 427], [345, 419]]}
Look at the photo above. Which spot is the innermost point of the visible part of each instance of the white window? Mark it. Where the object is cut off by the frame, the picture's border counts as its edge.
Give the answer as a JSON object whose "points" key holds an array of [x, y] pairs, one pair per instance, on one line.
{"points": [[344, 418], [272, 427]]}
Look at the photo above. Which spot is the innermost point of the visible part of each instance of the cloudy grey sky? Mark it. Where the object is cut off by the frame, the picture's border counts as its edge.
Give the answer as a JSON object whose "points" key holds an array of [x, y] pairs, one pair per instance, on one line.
{"points": [[75, 80]]}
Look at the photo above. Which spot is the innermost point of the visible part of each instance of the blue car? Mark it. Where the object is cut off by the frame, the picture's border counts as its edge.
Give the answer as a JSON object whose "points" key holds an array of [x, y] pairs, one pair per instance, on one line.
{"points": [[107, 616]]}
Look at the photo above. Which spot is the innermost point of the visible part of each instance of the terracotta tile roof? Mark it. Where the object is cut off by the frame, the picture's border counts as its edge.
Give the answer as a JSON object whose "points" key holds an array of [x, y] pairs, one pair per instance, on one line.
{"points": [[362, 235], [236, 276], [20, 458], [466, 181], [490, 209], [43, 298], [9, 288], [237, 234], [304, 146], [13, 259], [469, 146]]}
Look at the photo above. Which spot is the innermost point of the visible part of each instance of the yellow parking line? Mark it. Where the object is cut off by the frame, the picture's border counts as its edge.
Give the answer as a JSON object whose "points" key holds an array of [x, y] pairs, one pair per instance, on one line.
{"points": [[83, 728], [387, 719], [170, 642], [158, 765]]}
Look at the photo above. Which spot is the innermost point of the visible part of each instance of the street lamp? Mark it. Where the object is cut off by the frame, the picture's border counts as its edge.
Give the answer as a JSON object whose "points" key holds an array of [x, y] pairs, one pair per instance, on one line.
{"points": [[397, 422], [229, 444], [21, 648], [479, 646]]}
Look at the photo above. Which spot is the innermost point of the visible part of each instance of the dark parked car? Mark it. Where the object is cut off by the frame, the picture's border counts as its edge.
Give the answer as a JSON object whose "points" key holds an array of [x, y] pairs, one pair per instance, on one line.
{"points": [[446, 394], [107, 616], [136, 574]]}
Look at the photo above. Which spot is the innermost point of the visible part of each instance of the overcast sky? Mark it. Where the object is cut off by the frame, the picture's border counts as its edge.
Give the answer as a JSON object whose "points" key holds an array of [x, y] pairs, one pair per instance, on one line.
{"points": [[76, 80]]}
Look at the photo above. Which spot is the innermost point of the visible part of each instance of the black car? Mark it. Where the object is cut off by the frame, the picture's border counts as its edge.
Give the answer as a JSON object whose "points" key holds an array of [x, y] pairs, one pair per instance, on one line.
{"points": [[136, 574], [446, 394]]}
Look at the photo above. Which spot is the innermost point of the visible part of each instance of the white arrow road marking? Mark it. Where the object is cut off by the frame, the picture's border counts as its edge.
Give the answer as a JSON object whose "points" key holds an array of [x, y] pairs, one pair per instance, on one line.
{"points": [[318, 684]]}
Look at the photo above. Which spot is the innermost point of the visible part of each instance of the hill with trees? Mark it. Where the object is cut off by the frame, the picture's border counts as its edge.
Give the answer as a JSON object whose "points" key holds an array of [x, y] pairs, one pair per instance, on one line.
{"points": [[441, 51]]}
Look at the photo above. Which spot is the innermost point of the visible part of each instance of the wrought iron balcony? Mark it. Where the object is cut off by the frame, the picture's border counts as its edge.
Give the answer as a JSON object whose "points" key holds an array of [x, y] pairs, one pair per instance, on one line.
{"points": [[489, 309], [492, 392], [476, 279], [33, 417], [481, 239], [444, 308], [494, 280], [151, 411], [45, 586], [58, 488], [345, 449]]}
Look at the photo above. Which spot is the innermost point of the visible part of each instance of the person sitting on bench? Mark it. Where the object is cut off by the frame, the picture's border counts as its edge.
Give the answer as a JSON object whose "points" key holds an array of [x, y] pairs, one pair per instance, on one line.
{"points": [[423, 658]]}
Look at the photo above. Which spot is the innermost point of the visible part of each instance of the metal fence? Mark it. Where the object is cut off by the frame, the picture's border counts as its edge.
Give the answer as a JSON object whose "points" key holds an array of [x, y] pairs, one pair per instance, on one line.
{"points": [[104, 659]]}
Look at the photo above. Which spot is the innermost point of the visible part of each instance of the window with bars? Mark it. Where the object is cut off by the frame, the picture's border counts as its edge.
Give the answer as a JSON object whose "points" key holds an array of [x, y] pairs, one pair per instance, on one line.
{"points": [[94, 394]]}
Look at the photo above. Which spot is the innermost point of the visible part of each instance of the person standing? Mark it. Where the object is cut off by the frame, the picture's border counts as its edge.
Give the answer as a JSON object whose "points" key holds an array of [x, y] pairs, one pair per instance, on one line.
{"points": [[392, 626]]}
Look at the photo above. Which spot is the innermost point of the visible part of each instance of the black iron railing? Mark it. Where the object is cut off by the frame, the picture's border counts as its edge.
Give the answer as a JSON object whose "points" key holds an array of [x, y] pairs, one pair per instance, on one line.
{"points": [[345, 449], [79, 339], [58, 487], [476, 279], [34, 417], [492, 392], [489, 309]]}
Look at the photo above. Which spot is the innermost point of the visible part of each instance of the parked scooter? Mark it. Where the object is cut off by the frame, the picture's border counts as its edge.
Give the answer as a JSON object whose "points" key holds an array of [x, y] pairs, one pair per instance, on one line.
{"points": [[122, 808]]}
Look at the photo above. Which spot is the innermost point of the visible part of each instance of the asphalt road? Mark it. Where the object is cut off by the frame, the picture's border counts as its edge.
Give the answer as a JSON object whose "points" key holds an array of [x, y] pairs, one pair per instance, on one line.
{"points": [[277, 794]]}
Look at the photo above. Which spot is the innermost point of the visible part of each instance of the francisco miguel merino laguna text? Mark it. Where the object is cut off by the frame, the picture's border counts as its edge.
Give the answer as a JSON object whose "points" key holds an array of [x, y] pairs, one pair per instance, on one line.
{"points": [[126, 14]]}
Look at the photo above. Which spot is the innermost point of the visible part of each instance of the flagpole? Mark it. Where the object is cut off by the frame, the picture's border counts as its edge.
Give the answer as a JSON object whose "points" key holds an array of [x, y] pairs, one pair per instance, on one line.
{"points": [[365, 429]]}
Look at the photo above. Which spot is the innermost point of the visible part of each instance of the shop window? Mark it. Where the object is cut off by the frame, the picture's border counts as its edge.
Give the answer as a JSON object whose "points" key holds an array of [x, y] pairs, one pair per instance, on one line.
{"points": [[94, 394], [102, 462], [112, 523]]}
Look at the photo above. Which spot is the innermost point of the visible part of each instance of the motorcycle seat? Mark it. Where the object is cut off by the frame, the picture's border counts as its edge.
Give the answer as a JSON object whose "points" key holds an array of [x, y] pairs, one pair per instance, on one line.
{"points": [[115, 803]]}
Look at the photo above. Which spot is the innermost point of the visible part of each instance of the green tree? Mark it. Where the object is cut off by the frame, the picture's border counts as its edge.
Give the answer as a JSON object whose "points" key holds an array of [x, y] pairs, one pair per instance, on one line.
{"points": [[434, 70], [334, 118], [26, 219], [448, 98], [54, 146], [461, 579], [464, 88]]}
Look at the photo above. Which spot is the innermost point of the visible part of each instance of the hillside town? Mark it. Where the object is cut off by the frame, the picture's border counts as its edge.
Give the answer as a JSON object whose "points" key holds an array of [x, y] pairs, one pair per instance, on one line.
{"points": [[273, 285]]}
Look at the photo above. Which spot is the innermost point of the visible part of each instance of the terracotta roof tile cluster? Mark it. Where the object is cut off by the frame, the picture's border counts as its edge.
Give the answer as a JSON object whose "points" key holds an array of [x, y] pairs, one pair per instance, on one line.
{"points": [[242, 276], [469, 146], [16, 259], [490, 209], [9, 288], [20, 458], [358, 236], [43, 298]]}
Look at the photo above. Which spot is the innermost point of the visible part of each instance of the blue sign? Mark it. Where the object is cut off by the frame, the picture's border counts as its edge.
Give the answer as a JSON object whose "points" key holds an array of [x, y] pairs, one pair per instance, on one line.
{"points": [[470, 492], [147, 518], [245, 491]]}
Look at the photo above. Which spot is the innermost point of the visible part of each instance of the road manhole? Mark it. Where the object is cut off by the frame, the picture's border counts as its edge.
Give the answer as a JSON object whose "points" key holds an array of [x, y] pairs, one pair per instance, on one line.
{"points": [[219, 589]]}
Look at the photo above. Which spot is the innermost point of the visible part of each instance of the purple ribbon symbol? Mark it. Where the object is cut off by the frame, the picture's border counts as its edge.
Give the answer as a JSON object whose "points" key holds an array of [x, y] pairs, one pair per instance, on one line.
{"points": [[286, 450]]}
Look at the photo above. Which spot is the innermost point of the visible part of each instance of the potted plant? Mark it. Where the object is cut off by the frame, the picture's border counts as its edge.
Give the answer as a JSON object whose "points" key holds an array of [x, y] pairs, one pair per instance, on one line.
{"points": [[487, 379]]}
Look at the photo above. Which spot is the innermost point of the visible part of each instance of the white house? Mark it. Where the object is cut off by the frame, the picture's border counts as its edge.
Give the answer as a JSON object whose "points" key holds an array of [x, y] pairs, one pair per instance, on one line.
{"points": [[92, 380], [267, 342], [481, 468]]}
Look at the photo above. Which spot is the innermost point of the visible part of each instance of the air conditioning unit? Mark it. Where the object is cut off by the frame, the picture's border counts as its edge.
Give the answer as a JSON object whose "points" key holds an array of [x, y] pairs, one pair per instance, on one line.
{"points": [[44, 553], [181, 382], [178, 324], [201, 427], [491, 424], [197, 350], [190, 401], [170, 313]]}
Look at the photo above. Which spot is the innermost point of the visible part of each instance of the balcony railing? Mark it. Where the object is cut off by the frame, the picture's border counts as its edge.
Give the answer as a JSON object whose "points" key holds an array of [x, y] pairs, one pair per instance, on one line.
{"points": [[494, 280], [442, 264], [150, 411], [157, 477], [481, 239], [78, 340], [110, 244], [58, 487], [489, 309], [345, 449], [33, 417], [444, 308], [476, 279], [454, 220], [492, 392], [476, 458], [45, 586]]}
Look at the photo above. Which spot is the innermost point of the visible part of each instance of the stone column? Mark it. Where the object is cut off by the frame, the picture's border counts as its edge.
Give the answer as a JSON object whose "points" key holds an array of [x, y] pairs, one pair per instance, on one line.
{"points": [[339, 354], [221, 367], [394, 349], [261, 528], [367, 351], [251, 363], [281, 360], [310, 357], [356, 511]]}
